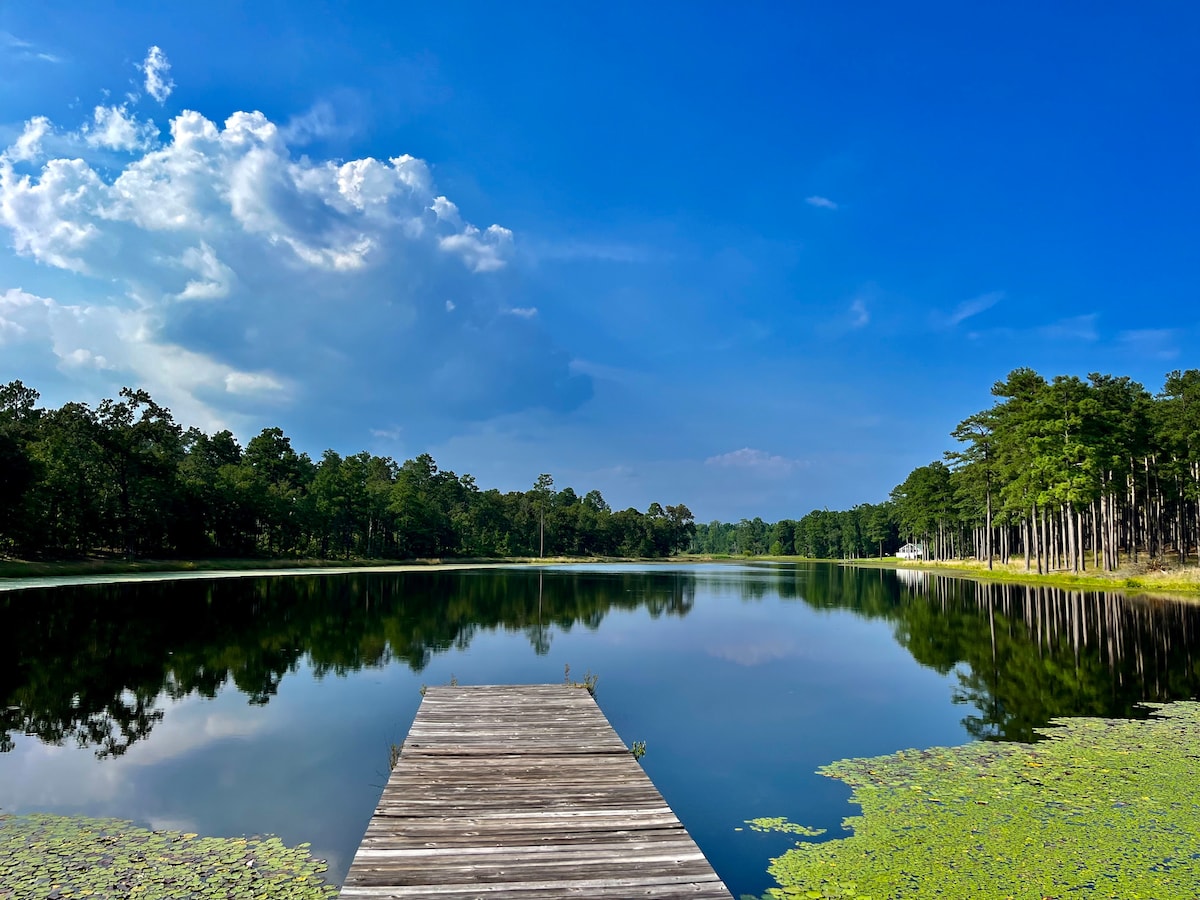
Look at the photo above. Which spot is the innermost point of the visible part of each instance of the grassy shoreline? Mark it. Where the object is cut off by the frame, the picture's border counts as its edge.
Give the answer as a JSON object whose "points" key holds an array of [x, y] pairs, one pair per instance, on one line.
{"points": [[1175, 580]]}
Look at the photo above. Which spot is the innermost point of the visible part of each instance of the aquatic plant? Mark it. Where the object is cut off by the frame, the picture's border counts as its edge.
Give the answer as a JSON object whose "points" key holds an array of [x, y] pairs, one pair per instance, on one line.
{"points": [[68, 857], [779, 823], [589, 680], [1101, 808], [638, 749]]}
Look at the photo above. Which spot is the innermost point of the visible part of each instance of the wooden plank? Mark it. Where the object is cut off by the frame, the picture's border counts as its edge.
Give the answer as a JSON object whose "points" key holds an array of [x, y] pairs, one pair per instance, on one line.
{"points": [[523, 793]]}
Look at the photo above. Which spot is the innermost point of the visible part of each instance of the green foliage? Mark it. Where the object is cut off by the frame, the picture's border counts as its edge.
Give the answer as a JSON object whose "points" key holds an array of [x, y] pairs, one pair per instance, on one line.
{"points": [[125, 479], [866, 530], [1071, 472], [1100, 808], [638, 749], [67, 857]]}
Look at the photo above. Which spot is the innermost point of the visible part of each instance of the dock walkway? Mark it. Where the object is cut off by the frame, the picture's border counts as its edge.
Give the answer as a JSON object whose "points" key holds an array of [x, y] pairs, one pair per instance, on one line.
{"points": [[523, 793]]}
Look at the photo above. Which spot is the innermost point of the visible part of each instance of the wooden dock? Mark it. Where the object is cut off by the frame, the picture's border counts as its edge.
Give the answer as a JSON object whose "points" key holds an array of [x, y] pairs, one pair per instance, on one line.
{"points": [[523, 793]]}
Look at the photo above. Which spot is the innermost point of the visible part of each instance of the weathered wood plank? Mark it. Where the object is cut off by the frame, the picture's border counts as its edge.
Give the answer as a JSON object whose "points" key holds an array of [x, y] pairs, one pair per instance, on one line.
{"points": [[523, 793]]}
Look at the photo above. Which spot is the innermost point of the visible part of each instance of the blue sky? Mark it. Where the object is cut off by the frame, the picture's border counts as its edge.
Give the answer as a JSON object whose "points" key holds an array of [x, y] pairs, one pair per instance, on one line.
{"points": [[758, 261]]}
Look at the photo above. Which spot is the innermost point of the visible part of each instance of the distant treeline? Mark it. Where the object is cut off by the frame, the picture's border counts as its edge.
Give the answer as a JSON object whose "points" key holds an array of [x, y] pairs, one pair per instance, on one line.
{"points": [[865, 530], [125, 478], [1064, 473]]}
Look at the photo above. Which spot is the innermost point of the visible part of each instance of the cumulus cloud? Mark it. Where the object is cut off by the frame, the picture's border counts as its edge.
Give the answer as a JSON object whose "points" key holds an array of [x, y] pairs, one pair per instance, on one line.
{"points": [[820, 202], [157, 70], [115, 129], [88, 339], [483, 251], [222, 272], [28, 147], [214, 278], [755, 461]]}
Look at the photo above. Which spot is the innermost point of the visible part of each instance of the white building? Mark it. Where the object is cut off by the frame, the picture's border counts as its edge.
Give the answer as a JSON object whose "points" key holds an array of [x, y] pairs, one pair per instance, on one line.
{"points": [[911, 551]]}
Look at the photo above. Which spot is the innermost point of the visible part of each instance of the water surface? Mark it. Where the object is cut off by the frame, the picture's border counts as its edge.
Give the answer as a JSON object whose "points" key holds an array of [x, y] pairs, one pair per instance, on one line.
{"points": [[266, 705]]}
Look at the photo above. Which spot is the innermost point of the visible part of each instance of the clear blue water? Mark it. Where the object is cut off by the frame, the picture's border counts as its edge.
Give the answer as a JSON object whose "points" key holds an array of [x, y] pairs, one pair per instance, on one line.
{"points": [[267, 704]]}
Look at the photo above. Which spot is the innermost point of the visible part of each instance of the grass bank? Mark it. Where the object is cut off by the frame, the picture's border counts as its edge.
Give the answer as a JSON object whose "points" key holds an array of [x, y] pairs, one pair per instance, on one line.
{"points": [[1171, 579]]}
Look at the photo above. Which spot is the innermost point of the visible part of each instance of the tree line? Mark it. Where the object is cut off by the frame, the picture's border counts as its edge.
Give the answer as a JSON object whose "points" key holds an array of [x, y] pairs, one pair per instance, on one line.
{"points": [[125, 478], [866, 530], [1064, 474]]}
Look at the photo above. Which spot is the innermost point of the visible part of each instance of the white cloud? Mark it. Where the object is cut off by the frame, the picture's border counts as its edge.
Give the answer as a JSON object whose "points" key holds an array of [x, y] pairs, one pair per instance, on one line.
{"points": [[215, 277], [446, 212], [97, 339], [251, 383], [860, 316], [157, 70], [222, 272], [974, 306], [51, 218], [820, 202], [79, 358], [484, 251], [115, 129], [756, 461], [28, 148], [19, 312]]}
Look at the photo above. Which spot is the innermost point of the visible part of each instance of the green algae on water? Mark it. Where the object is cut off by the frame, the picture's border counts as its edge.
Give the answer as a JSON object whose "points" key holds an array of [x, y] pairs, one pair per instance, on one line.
{"points": [[61, 857], [779, 823], [1103, 808]]}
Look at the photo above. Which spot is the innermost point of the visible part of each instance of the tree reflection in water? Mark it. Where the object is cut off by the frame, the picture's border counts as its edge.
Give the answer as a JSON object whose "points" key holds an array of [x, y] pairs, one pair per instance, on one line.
{"points": [[88, 665]]}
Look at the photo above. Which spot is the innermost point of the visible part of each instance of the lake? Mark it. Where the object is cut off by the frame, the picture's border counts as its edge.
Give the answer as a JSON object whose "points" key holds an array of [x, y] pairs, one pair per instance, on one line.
{"points": [[268, 704]]}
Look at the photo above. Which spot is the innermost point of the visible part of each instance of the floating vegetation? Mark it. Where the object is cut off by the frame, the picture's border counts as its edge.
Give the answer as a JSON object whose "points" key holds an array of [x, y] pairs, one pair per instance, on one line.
{"points": [[1102, 808], [779, 823], [61, 857]]}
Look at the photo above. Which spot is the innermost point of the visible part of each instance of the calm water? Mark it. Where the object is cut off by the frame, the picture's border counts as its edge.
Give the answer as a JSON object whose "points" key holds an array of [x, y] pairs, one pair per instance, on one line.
{"points": [[266, 705]]}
